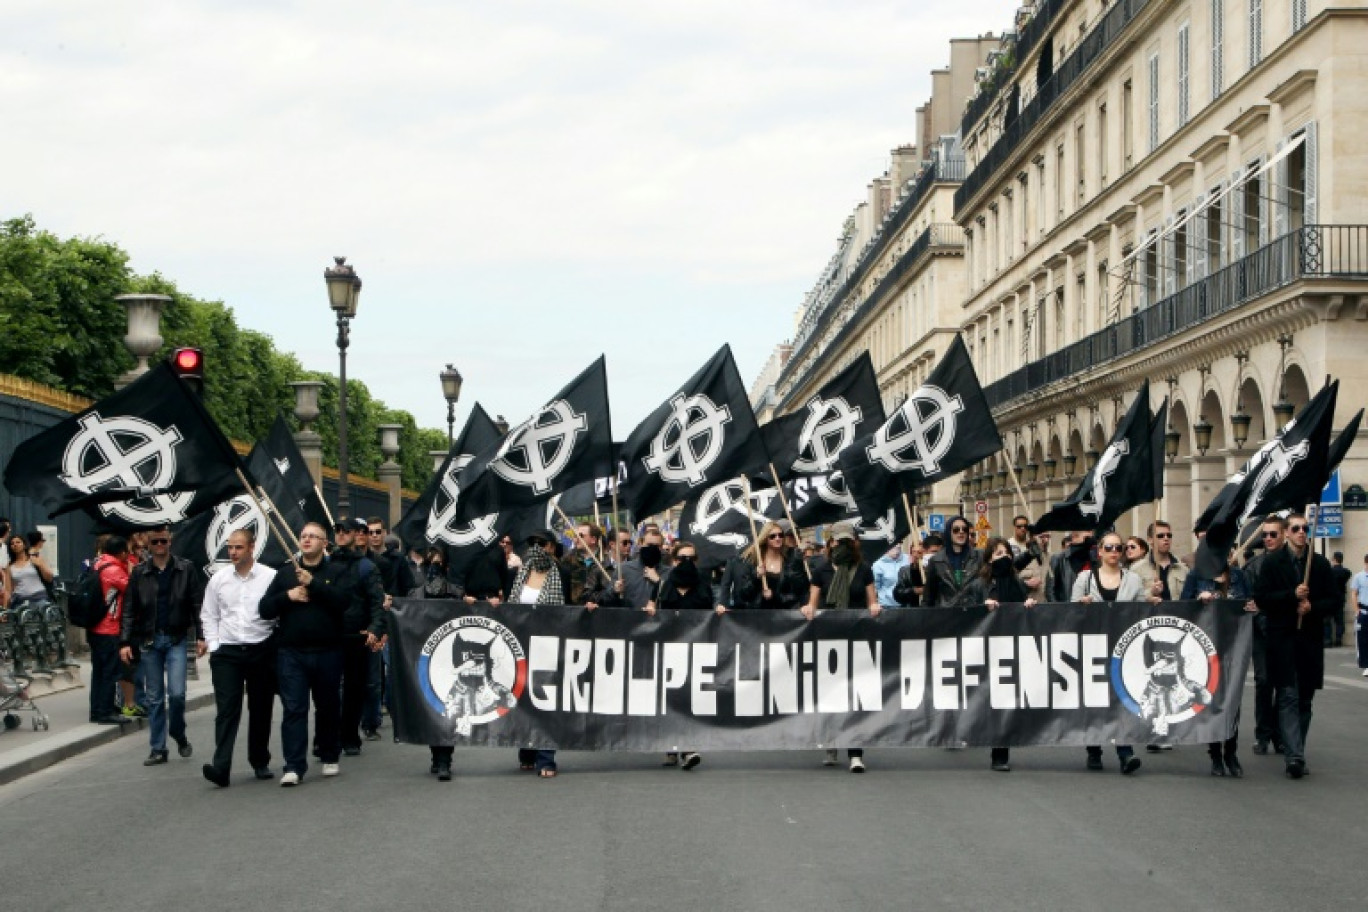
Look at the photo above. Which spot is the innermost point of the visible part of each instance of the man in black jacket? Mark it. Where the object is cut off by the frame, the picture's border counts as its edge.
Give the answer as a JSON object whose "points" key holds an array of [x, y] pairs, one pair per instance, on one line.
{"points": [[310, 603], [365, 624], [1292, 609], [163, 606]]}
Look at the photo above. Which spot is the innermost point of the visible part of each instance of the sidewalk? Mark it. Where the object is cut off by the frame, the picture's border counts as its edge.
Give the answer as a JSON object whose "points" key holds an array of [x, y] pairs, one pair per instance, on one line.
{"points": [[24, 750]]}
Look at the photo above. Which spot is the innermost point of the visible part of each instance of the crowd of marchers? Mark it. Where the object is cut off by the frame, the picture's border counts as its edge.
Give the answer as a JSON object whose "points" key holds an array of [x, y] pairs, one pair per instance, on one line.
{"points": [[313, 632]]}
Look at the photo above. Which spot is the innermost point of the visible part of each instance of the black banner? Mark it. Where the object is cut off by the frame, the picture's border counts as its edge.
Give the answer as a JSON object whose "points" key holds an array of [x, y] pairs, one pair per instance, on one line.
{"points": [[616, 679]]}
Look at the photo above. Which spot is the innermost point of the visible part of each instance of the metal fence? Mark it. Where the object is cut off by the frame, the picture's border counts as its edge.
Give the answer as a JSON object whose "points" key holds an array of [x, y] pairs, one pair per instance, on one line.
{"points": [[1315, 251]]}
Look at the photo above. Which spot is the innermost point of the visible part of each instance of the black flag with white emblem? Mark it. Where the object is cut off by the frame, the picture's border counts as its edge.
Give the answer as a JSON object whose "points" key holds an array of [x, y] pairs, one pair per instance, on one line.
{"points": [[431, 520], [704, 435], [1122, 478], [567, 441], [809, 440], [1286, 473], [1157, 431], [278, 466], [716, 522], [942, 428], [146, 455]]}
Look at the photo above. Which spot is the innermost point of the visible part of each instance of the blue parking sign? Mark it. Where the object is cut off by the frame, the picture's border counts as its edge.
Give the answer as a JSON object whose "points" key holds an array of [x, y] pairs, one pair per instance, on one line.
{"points": [[935, 522]]}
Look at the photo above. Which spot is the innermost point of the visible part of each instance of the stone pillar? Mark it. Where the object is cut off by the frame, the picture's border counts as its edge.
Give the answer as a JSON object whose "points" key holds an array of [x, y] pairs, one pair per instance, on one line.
{"points": [[1208, 474], [438, 457], [144, 331], [390, 472], [1178, 505], [306, 438]]}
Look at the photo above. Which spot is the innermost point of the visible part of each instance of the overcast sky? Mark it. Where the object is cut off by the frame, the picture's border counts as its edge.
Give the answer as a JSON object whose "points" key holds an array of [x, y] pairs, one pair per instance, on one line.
{"points": [[521, 185]]}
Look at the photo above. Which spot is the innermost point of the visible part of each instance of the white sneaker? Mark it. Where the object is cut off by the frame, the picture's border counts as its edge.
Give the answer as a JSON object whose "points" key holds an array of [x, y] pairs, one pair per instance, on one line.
{"points": [[856, 765], [833, 757], [331, 769], [289, 780], [1365, 672]]}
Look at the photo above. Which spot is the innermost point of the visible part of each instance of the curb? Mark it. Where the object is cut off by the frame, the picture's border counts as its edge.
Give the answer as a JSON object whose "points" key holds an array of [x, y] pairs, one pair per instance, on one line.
{"points": [[52, 750]]}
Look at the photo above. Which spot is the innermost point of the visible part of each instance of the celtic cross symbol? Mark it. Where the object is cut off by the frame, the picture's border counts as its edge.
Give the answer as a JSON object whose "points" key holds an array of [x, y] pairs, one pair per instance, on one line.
{"points": [[441, 518], [929, 435], [829, 421], [713, 505], [1106, 464], [128, 453], [236, 515], [546, 441], [832, 488], [690, 441]]}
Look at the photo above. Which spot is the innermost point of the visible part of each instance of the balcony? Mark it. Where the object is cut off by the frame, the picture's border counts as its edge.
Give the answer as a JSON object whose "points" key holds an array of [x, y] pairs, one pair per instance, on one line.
{"points": [[1312, 252], [1090, 49], [947, 236]]}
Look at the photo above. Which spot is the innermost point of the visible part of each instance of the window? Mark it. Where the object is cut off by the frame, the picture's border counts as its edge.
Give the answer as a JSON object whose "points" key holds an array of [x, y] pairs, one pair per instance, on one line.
{"points": [[1040, 198], [1102, 144], [1180, 253], [1255, 32], [1059, 183], [1127, 125], [1080, 158], [1183, 74], [1213, 236], [1151, 276], [1253, 190], [1153, 102], [1217, 48]]}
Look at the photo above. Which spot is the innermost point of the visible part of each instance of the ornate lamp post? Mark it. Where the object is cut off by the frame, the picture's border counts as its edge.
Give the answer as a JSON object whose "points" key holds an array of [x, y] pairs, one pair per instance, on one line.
{"points": [[344, 294], [451, 391]]}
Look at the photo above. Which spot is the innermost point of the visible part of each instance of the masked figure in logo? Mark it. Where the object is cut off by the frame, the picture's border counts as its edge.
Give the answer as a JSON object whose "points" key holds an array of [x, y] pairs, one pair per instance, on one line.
{"points": [[1169, 690], [474, 692]]}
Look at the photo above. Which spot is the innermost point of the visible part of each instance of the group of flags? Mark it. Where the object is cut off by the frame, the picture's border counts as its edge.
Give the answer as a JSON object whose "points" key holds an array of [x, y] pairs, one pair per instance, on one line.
{"points": [[151, 454]]}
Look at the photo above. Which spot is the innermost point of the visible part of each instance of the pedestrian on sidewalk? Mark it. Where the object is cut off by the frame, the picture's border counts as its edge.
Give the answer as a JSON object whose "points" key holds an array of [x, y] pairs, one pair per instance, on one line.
{"points": [[112, 567], [164, 597], [242, 657]]}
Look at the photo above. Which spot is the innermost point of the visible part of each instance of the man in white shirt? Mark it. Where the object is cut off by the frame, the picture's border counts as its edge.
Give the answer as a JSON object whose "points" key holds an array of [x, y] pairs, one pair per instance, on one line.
{"points": [[241, 657], [1359, 587]]}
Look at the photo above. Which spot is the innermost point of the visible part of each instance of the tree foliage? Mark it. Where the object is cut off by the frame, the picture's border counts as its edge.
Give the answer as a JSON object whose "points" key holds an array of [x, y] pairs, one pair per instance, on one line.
{"points": [[60, 325]]}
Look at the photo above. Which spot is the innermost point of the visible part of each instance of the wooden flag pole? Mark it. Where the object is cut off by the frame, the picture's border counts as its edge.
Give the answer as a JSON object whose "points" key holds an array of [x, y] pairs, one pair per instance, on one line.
{"points": [[598, 523], [1310, 549], [1016, 485], [261, 492], [911, 517], [580, 538], [774, 474], [326, 511], [755, 537], [617, 564], [280, 539]]}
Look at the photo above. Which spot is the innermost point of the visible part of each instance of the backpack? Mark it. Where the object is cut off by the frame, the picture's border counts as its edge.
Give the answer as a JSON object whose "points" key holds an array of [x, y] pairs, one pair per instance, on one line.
{"points": [[86, 605]]}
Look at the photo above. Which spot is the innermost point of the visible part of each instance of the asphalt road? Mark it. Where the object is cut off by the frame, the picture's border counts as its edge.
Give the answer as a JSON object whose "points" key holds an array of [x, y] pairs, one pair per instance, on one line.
{"points": [[924, 829]]}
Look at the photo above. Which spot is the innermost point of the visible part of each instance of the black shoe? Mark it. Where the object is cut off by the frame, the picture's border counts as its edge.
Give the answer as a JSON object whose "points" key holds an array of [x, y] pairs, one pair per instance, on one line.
{"points": [[215, 775], [156, 758], [1278, 748], [432, 769], [690, 760], [263, 772], [1232, 764], [443, 772], [1130, 765], [1217, 767], [1296, 769], [185, 748], [111, 719], [1153, 748], [1261, 747], [351, 751], [1094, 761], [373, 735], [1001, 766]]}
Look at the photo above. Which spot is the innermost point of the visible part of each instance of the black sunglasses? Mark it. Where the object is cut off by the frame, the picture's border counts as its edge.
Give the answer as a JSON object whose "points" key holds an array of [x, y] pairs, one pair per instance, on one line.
{"points": [[1163, 535], [1111, 547], [1296, 528], [159, 541], [1272, 534]]}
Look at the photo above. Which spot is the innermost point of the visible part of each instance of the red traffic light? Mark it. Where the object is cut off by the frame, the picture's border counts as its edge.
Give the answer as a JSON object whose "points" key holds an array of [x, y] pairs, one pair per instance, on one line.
{"points": [[188, 360]]}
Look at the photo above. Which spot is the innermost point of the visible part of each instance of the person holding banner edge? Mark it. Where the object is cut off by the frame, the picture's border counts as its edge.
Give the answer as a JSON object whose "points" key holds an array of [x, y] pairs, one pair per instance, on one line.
{"points": [[845, 581], [768, 574], [1110, 582], [540, 581]]}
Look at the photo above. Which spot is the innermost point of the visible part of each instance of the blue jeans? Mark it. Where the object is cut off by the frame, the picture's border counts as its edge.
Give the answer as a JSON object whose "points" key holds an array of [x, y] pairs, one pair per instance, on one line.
{"points": [[163, 672], [301, 673]]}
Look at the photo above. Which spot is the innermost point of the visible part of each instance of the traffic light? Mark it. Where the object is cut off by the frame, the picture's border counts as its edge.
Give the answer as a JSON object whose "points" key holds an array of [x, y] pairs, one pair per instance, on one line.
{"points": [[188, 363]]}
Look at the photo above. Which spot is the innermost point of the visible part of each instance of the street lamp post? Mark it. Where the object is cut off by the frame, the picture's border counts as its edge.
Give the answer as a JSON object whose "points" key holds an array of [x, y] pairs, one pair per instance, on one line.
{"points": [[344, 293], [451, 390]]}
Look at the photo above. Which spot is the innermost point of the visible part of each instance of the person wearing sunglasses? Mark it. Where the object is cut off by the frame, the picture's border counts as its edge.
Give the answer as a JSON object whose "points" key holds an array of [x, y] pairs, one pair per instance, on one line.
{"points": [[540, 581], [164, 598], [950, 570], [769, 574], [1136, 550], [1293, 604], [1030, 554], [1162, 573], [1107, 583], [1231, 584]]}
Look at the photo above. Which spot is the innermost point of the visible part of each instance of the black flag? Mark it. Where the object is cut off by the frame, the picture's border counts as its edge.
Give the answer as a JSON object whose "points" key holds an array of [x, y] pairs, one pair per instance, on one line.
{"points": [[432, 517], [568, 441], [1288, 472], [278, 466], [1157, 430], [704, 435], [149, 454], [585, 496], [1122, 478], [717, 522], [809, 440], [942, 428]]}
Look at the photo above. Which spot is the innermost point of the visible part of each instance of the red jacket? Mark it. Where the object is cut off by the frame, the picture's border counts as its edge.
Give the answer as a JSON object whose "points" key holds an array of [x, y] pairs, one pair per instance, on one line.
{"points": [[113, 577]]}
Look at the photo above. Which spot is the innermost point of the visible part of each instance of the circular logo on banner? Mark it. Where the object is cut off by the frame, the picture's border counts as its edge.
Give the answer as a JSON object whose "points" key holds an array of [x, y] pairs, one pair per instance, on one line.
{"points": [[1165, 670], [472, 670]]}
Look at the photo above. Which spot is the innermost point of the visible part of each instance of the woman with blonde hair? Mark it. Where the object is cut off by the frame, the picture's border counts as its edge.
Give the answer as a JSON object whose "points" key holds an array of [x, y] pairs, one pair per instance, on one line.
{"points": [[768, 574]]}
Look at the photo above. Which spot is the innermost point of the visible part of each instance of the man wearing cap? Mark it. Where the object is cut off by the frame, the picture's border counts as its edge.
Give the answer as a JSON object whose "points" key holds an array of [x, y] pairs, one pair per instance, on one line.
{"points": [[365, 626]]}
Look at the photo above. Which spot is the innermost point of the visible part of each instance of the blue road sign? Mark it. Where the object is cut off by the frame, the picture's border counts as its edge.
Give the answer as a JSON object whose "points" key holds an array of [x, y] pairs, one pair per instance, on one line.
{"points": [[935, 522], [1330, 494]]}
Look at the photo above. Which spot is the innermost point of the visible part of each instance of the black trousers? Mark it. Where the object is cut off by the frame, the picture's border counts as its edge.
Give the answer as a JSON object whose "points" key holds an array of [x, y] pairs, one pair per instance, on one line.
{"points": [[356, 661], [1266, 726], [104, 674], [235, 670]]}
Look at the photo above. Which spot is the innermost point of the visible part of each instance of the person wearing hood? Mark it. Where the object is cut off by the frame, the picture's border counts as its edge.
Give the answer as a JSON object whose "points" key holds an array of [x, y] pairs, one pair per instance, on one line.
{"points": [[540, 581], [950, 570], [886, 570], [682, 588], [845, 581], [1065, 567], [998, 581]]}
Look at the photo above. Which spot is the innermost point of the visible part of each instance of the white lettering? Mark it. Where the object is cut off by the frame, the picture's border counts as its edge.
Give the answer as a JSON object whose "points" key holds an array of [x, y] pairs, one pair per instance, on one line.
{"points": [[703, 702], [676, 663], [641, 691], [543, 657], [1001, 686], [912, 665], [750, 692], [577, 692], [833, 677], [610, 672], [1096, 686], [866, 675], [1064, 646], [944, 690]]}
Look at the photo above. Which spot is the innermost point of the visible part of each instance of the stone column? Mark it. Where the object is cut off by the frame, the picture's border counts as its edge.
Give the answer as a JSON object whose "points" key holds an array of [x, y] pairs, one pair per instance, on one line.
{"points": [[306, 438], [438, 457], [1208, 475], [390, 472], [144, 331]]}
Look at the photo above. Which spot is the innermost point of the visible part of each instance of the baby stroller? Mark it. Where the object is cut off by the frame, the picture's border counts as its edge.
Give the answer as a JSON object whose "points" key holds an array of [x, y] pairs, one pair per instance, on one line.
{"points": [[14, 697]]}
